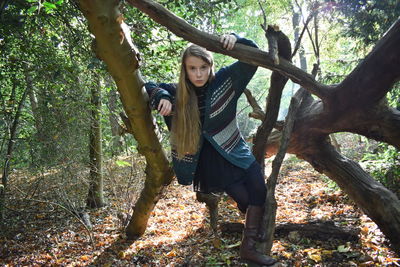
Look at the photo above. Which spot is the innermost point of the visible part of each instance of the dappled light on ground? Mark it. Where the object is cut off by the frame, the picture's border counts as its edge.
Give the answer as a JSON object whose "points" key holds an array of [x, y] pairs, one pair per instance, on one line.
{"points": [[179, 233]]}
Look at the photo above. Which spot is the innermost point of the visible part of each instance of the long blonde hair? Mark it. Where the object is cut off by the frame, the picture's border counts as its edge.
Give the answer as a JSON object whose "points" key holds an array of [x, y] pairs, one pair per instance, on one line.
{"points": [[185, 132]]}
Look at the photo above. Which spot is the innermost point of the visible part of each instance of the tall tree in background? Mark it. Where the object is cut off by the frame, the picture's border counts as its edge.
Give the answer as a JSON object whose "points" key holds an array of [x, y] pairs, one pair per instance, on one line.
{"points": [[14, 114], [95, 197], [53, 125]]}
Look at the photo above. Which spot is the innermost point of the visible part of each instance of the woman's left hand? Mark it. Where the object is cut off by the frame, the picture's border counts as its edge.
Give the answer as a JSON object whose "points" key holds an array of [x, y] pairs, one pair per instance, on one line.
{"points": [[228, 41]]}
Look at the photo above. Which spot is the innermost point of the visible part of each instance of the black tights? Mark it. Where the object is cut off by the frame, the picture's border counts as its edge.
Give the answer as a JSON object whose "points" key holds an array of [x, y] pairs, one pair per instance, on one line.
{"points": [[250, 191]]}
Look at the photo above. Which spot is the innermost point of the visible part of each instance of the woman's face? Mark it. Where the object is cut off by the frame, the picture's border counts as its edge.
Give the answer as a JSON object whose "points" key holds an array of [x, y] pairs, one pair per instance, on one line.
{"points": [[197, 70]]}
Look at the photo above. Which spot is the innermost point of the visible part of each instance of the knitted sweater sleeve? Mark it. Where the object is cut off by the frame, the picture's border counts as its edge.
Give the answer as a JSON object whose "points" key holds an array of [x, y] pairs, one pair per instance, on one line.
{"points": [[241, 72], [160, 91]]}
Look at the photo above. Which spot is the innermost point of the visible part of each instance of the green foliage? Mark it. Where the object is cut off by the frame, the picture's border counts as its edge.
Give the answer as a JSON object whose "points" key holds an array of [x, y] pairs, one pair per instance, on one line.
{"points": [[121, 163], [46, 45], [366, 19], [384, 164], [394, 96], [43, 54], [160, 48]]}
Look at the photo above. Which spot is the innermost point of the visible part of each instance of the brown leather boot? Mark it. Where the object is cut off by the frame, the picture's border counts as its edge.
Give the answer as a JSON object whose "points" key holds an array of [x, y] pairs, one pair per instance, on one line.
{"points": [[248, 250]]}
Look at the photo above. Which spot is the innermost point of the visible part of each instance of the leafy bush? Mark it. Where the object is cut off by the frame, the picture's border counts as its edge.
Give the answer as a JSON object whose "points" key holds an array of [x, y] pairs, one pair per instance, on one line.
{"points": [[384, 165]]}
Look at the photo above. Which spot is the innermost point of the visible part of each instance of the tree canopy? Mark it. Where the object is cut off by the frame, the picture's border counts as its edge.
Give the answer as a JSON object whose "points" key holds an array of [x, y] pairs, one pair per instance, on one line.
{"points": [[53, 53]]}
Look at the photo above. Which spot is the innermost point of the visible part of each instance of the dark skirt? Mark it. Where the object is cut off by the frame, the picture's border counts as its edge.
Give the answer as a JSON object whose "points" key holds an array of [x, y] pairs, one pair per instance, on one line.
{"points": [[214, 173]]}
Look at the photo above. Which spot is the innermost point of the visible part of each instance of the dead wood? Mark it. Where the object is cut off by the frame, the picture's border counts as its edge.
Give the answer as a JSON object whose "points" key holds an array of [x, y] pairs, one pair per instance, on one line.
{"points": [[317, 230]]}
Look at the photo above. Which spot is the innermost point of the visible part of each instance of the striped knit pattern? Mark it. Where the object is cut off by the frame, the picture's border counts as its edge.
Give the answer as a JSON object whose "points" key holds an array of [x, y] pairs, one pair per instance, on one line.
{"points": [[221, 98], [153, 99], [228, 137], [186, 158], [201, 102]]}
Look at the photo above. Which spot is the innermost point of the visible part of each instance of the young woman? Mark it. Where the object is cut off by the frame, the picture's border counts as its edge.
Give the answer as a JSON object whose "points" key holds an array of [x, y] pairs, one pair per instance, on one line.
{"points": [[207, 147]]}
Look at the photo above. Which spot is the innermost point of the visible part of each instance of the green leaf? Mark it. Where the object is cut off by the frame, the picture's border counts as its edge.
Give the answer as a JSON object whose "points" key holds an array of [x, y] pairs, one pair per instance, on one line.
{"points": [[32, 10], [49, 6], [343, 249], [122, 163]]}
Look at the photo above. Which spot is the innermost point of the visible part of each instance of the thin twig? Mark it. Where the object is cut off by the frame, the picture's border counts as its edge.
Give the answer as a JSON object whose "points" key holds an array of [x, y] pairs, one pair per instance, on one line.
{"points": [[297, 46], [250, 104], [70, 212], [264, 25]]}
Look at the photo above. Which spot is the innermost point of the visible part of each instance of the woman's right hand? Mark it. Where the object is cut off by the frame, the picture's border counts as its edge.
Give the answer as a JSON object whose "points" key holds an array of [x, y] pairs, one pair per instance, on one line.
{"points": [[165, 107], [228, 41]]}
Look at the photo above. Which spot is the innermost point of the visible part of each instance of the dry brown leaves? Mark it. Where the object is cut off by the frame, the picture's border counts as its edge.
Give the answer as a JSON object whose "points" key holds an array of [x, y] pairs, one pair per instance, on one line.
{"points": [[179, 234]]}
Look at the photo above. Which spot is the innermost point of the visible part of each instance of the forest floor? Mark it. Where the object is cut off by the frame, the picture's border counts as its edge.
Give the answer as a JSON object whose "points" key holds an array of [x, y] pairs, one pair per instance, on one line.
{"points": [[47, 233]]}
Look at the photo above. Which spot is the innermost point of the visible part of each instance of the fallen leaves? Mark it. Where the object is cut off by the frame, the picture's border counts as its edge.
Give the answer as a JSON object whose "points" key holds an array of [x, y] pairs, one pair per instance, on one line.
{"points": [[179, 233], [171, 253], [85, 258]]}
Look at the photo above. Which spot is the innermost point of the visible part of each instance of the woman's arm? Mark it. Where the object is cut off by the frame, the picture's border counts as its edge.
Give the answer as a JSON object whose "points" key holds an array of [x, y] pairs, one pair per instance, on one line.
{"points": [[240, 72], [241, 40], [161, 96]]}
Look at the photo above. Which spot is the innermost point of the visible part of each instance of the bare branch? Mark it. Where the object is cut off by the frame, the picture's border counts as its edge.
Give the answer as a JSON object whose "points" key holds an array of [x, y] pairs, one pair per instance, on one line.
{"points": [[264, 25], [271, 33], [269, 217], [297, 46], [257, 112], [244, 53]]}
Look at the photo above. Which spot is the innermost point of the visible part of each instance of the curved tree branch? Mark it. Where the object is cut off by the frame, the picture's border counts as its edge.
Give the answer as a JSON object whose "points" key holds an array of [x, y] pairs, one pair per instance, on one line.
{"points": [[373, 77], [242, 52], [257, 112], [380, 204], [114, 46], [380, 123]]}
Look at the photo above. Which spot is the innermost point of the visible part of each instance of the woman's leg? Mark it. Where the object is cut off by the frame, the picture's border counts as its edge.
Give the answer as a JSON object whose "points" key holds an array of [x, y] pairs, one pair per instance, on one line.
{"points": [[255, 186], [250, 191], [240, 194]]}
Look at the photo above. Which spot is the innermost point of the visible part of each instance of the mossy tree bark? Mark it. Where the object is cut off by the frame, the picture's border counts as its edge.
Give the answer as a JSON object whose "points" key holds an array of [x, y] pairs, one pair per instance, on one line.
{"points": [[113, 45]]}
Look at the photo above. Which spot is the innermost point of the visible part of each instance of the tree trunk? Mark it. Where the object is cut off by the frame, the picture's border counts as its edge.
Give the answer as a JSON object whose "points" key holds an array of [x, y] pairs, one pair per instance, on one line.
{"points": [[116, 130], [114, 46], [297, 38], [95, 198], [278, 81], [269, 216], [380, 204], [36, 115], [10, 149]]}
